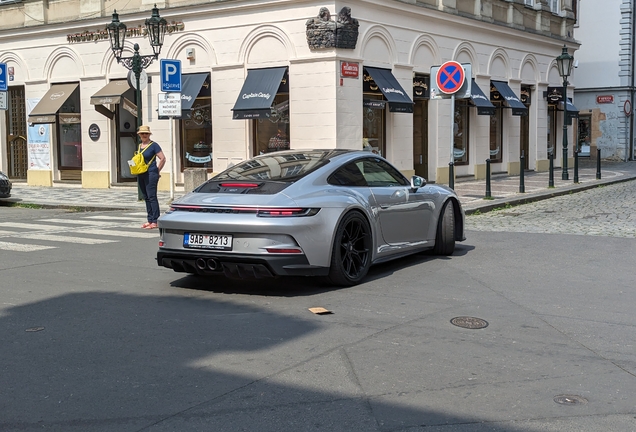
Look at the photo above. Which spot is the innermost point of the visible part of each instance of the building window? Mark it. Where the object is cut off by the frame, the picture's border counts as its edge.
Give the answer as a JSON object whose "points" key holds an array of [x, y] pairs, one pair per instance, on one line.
{"points": [[585, 135], [530, 3], [460, 132], [69, 133], [374, 121], [272, 134], [496, 132], [555, 6]]}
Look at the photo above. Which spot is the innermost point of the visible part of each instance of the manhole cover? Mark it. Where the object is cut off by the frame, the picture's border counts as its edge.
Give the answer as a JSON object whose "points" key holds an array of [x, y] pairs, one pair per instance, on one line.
{"points": [[469, 322], [570, 400]]}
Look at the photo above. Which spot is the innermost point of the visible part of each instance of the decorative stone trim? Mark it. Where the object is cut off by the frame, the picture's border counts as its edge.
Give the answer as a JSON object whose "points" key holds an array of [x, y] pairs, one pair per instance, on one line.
{"points": [[323, 32]]}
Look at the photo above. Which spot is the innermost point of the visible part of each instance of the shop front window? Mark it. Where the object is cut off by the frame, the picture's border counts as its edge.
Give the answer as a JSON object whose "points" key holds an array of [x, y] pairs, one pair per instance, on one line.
{"points": [[460, 132], [496, 132], [196, 123], [585, 135], [69, 133], [272, 134], [373, 131]]}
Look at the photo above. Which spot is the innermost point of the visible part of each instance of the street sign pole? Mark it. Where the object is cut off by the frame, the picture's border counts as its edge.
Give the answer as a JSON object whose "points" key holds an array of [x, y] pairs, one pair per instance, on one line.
{"points": [[451, 164], [172, 162], [450, 79]]}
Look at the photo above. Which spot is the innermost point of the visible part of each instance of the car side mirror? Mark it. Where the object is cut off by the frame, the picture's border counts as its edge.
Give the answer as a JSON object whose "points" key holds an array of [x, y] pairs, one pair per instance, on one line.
{"points": [[417, 182]]}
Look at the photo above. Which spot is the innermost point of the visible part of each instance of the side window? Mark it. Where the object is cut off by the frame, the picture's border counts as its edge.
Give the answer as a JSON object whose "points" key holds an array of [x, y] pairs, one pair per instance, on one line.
{"points": [[349, 175], [378, 173]]}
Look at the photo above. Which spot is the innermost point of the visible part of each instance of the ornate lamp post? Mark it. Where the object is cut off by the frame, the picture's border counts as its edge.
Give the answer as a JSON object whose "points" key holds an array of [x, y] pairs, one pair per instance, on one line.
{"points": [[156, 28], [564, 64]]}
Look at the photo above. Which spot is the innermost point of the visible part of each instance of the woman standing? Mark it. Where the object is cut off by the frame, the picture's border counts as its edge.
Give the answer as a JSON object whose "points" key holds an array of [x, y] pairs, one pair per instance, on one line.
{"points": [[154, 157]]}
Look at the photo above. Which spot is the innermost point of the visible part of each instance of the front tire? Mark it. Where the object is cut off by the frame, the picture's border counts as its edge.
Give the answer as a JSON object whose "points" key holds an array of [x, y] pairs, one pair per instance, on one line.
{"points": [[445, 236], [351, 256]]}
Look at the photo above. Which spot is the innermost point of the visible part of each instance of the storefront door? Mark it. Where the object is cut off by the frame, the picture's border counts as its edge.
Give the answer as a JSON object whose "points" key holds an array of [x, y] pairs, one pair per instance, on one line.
{"points": [[17, 157], [420, 137], [126, 140]]}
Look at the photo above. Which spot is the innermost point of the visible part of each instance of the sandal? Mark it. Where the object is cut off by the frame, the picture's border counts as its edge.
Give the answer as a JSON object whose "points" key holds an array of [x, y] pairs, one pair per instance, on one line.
{"points": [[146, 225], [152, 226]]}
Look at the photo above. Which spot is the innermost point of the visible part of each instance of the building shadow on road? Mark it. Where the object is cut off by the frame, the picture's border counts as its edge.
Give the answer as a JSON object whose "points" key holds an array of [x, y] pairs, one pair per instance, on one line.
{"points": [[100, 361]]}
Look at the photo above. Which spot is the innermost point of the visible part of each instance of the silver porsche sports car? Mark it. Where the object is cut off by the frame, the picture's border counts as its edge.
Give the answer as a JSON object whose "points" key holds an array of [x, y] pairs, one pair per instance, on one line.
{"points": [[307, 213]]}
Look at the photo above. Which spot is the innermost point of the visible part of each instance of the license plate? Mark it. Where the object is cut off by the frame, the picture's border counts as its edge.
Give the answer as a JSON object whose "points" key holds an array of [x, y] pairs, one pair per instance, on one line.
{"points": [[207, 241]]}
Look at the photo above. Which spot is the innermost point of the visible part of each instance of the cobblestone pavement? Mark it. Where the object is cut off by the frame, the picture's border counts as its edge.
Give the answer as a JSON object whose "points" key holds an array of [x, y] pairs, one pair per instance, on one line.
{"points": [[608, 210]]}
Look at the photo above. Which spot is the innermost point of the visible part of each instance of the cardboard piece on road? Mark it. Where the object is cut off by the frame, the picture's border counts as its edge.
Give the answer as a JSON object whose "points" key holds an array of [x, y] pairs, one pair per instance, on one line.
{"points": [[320, 310]]}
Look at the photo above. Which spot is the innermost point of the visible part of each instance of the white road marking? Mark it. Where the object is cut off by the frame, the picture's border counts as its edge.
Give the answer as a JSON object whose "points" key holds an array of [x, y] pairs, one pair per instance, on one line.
{"points": [[116, 218], [17, 247], [138, 234], [66, 239], [41, 227], [80, 222]]}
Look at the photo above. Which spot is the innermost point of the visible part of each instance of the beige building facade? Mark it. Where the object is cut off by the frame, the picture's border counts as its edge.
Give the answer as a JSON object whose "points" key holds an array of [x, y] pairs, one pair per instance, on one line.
{"points": [[327, 97]]}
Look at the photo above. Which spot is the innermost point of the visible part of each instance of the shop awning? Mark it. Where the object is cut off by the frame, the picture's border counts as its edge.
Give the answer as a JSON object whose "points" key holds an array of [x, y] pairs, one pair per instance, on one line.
{"points": [[479, 99], [190, 88], [510, 98], [46, 110], [573, 112], [111, 93], [258, 92], [398, 100]]}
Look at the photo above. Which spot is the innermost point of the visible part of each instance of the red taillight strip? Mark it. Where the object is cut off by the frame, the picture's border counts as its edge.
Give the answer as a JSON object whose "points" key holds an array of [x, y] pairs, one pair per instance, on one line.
{"points": [[284, 251], [243, 185], [261, 212]]}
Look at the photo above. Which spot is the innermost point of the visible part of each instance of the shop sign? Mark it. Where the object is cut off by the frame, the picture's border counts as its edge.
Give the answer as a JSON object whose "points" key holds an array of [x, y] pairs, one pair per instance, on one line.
{"points": [[349, 69], [139, 31], [604, 99], [199, 159], [94, 132], [373, 104], [4, 100]]}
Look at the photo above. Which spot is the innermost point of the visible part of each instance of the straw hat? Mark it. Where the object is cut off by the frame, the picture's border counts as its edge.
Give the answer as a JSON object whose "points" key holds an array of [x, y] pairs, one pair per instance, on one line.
{"points": [[144, 129]]}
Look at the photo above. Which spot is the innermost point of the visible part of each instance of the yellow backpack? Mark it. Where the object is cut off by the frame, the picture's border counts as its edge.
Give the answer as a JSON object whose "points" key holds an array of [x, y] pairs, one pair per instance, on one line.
{"points": [[138, 164]]}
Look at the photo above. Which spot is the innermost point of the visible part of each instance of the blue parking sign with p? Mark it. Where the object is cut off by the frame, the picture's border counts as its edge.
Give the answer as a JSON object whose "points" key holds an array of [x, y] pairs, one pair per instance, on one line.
{"points": [[170, 75], [4, 77]]}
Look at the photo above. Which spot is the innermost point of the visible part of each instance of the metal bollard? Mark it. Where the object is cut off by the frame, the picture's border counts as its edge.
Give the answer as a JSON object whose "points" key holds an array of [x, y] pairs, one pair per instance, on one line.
{"points": [[522, 186], [551, 178], [576, 165], [488, 193], [451, 175], [598, 163]]}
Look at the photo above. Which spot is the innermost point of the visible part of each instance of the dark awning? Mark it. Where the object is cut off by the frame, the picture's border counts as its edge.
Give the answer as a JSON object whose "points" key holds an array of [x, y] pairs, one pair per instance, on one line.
{"points": [[111, 93], [190, 88], [258, 92], [510, 98], [46, 110], [479, 99], [573, 112], [398, 100]]}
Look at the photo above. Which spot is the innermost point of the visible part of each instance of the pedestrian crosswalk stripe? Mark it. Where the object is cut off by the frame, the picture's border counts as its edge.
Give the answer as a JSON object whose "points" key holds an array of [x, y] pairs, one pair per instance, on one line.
{"points": [[136, 234], [17, 247], [116, 218], [29, 226], [81, 222], [66, 239]]}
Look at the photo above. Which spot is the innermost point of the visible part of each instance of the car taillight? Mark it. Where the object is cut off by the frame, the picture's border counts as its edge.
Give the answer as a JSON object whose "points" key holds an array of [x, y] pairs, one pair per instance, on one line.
{"points": [[287, 212], [284, 251]]}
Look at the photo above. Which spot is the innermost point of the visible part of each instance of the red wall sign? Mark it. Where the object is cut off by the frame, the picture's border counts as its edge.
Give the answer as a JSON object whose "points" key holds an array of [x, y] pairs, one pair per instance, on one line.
{"points": [[349, 69], [605, 99]]}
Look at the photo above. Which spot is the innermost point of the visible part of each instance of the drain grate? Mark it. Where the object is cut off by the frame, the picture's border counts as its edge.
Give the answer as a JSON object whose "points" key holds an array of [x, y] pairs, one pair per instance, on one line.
{"points": [[469, 322], [570, 399]]}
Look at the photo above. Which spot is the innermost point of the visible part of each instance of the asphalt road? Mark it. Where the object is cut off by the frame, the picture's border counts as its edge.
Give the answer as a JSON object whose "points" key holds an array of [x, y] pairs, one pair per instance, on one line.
{"points": [[95, 337]]}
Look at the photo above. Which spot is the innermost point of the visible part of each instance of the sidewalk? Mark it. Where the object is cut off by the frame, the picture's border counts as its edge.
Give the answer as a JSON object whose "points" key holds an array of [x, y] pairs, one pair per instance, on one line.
{"points": [[504, 190]]}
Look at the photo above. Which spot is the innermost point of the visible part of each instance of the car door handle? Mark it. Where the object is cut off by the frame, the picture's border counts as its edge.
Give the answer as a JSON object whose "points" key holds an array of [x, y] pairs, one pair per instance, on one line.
{"points": [[384, 206]]}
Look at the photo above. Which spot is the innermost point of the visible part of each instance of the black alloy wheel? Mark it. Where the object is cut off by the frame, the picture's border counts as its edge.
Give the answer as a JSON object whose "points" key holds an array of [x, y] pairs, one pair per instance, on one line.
{"points": [[351, 257]]}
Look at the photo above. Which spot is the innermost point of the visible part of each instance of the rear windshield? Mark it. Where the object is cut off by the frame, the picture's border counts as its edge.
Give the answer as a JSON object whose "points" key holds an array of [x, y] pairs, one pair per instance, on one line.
{"points": [[286, 166]]}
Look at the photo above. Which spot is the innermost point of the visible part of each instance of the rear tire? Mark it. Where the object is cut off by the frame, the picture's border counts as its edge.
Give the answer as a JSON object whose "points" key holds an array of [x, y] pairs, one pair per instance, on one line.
{"points": [[351, 255], [445, 237]]}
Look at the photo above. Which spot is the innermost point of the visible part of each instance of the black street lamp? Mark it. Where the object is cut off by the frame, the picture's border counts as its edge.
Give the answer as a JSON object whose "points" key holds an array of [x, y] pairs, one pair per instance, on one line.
{"points": [[564, 64], [156, 29]]}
